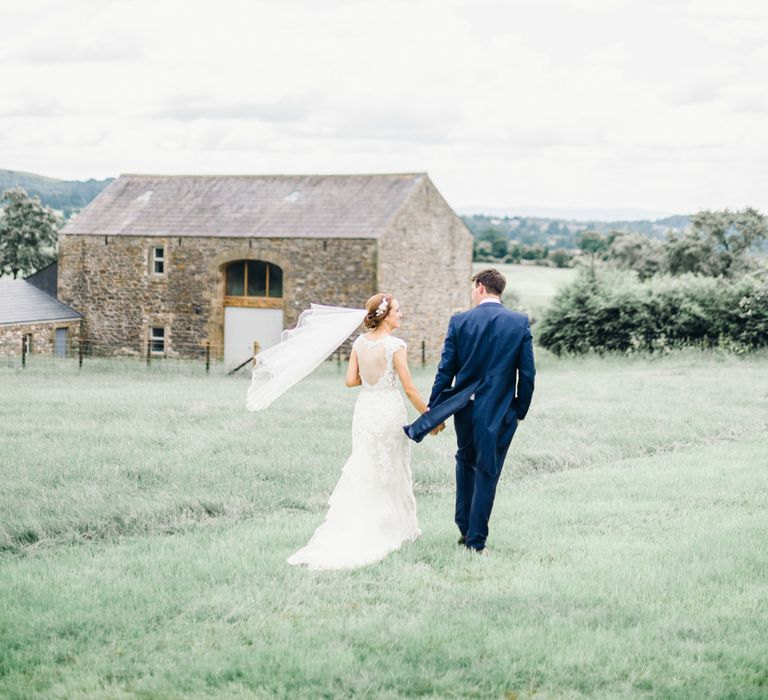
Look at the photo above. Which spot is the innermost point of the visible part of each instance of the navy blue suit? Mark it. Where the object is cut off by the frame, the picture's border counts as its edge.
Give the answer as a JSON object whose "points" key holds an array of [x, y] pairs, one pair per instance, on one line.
{"points": [[488, 355]]}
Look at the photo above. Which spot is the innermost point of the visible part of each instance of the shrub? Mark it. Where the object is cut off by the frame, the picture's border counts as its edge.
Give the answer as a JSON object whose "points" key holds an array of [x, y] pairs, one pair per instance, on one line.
{"points": [[608, 310], [560, 257], [499, 248]]}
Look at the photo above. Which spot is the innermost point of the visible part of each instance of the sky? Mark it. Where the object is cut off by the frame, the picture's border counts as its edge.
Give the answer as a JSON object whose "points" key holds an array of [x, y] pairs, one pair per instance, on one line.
{"points": [[656, 106]]}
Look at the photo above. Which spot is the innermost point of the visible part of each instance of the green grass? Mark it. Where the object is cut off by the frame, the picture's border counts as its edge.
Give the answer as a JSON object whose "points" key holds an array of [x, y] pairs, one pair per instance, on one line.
{"points": [[533, 285], [145, 518]]}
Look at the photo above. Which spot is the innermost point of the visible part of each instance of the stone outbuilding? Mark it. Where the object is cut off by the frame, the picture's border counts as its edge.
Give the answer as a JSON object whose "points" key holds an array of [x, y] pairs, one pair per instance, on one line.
{"points": [[167, 264], [33, 319]]}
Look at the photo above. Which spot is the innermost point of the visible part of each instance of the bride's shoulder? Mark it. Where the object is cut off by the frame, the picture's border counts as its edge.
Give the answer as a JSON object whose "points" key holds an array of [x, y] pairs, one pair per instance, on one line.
{"points": [[360, 339], [396, 342]]}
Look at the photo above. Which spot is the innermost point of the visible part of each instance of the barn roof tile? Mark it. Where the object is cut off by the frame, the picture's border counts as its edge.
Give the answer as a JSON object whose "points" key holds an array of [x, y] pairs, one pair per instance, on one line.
{"points": [[259, 206], [22, 302]]}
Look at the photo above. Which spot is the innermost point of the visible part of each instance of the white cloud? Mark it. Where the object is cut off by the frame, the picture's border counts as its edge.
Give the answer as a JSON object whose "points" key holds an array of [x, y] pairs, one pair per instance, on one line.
{"points": [[601, 103]]}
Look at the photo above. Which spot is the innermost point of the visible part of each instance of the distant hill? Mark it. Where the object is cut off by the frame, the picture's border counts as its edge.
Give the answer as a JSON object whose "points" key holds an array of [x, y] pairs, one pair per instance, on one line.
{"points": [[567, 213], [563, 233], [70, 196], [66, 196]]}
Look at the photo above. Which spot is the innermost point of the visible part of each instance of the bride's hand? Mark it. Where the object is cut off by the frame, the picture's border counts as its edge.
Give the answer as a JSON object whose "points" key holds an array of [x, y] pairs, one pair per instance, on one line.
{"points": [[438, 429]]}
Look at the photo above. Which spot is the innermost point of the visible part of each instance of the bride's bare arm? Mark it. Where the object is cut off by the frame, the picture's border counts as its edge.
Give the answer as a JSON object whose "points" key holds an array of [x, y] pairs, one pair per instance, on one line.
{"points": [[353, 371], [401, 367]]}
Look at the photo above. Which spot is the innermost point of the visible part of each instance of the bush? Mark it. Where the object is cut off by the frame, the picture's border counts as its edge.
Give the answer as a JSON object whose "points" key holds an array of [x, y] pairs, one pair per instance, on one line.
{"points": [[560, 257], [499, 248], [605, 310]]}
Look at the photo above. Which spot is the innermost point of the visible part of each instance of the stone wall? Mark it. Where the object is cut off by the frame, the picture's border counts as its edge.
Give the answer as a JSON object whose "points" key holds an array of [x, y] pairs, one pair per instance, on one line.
{"points": [[108, 279], [425, 260], [43, 337]]}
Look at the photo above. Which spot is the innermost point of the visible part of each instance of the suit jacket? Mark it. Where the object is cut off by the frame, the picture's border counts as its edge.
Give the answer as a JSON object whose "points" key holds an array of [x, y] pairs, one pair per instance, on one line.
{"points": [[488, 352]]}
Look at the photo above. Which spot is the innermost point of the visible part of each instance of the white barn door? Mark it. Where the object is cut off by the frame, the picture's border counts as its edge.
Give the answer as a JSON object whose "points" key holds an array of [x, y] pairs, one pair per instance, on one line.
{"points": [[244, 326]]}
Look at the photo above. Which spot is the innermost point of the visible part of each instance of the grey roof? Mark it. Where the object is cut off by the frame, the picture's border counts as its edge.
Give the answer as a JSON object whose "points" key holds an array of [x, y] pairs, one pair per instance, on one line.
{"points": [[261, 206], [22, 302]]}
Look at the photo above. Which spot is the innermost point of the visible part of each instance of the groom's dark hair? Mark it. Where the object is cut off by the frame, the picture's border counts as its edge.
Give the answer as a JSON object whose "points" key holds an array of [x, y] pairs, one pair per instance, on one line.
{"points": [[491, 279]]}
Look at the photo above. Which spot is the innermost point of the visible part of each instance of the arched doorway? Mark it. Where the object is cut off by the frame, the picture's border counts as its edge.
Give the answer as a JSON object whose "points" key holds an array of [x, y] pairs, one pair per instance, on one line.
{"points": [[253, 308]]}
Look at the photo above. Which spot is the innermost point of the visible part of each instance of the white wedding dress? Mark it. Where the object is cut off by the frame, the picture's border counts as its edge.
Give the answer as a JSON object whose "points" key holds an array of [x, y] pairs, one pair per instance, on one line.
{"points": [[372, 510]]}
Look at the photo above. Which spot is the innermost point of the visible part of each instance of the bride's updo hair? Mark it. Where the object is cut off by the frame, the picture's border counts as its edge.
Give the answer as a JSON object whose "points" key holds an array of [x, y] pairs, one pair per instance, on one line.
{"points": [[378, 307]]}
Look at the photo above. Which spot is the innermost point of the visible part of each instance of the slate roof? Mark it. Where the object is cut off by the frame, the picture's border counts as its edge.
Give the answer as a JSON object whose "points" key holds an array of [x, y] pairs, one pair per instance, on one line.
{"points": [[260, 206], [22, 302]]}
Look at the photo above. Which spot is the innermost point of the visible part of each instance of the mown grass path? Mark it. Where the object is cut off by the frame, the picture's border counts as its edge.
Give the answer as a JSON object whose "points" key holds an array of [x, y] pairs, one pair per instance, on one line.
{"points": [[145, 519]]}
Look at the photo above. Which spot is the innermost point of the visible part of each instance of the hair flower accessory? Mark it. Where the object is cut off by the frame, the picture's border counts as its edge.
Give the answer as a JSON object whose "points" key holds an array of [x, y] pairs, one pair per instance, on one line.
{"points": [[381, 309]]}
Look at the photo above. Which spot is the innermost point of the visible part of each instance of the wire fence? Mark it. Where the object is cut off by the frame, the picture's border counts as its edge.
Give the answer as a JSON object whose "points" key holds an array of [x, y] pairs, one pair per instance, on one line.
{"points": [[180, 355]]}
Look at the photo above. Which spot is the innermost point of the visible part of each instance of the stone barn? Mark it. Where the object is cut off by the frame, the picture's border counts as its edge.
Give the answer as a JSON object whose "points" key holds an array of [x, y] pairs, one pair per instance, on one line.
{"points": [[167, 264], [30, 317]]}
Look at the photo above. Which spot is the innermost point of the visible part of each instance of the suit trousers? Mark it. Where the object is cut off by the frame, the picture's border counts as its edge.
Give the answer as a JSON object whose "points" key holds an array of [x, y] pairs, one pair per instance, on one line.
{"points": [[475, 489]]}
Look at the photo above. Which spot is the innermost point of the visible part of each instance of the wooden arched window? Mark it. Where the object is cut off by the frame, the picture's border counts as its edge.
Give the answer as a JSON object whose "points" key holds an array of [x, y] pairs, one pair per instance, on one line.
{"points": [[253, 283]]}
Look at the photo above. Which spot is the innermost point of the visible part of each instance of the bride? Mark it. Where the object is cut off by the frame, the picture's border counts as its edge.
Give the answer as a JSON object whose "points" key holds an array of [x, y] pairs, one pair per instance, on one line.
{"points": [[372, 510]]}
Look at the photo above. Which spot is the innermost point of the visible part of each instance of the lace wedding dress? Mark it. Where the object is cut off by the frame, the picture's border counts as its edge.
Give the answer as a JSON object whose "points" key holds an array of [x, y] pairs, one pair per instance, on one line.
{"points": [[372, 510]]}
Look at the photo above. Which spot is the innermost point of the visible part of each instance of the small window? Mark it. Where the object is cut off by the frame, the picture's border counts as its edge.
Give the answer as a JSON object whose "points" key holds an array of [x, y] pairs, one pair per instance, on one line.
{"points": [[275, 278], [157, 340], [254, 278], [158, 260], [257, 278], [236, 279]]}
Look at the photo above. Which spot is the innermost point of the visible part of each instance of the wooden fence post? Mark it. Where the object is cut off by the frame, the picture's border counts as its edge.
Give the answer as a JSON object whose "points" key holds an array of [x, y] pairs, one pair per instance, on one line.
{"points": [[149, 351], [80, 353], [207, 357], [23, 350], [423, 353]]}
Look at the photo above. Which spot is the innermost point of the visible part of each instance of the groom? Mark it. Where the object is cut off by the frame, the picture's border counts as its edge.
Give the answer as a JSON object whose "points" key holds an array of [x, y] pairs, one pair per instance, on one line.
{"points": [[488, 352]]}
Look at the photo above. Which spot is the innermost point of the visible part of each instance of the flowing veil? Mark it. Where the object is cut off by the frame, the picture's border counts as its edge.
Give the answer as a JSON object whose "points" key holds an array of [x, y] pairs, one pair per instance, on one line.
{"points": [[319, 331]]}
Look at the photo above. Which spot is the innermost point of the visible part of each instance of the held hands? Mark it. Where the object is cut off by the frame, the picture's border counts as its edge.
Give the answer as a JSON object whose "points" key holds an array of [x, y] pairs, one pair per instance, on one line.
{"points": [[438, 429]]}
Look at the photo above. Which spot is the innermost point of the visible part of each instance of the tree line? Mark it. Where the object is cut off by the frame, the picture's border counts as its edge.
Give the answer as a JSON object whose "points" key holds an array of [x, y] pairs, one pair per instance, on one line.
{"points": [[710, 243], [705, 286], [551, 241], [717, 243]]}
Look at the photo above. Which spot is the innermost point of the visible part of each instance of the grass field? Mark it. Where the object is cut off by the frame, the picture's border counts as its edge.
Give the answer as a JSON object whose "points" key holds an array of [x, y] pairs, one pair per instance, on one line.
{"points": [[533, 285], [146, 518]]}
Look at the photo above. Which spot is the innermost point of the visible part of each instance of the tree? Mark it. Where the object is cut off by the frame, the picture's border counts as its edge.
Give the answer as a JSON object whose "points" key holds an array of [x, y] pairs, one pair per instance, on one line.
{"points": [[533, 252], [481, 251], [592, 242], [735, 232], [489, 235], [515, 253], [717, 243], [634, 251], [691, 252], [28, 233], [499, 247], [553, 228]]}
